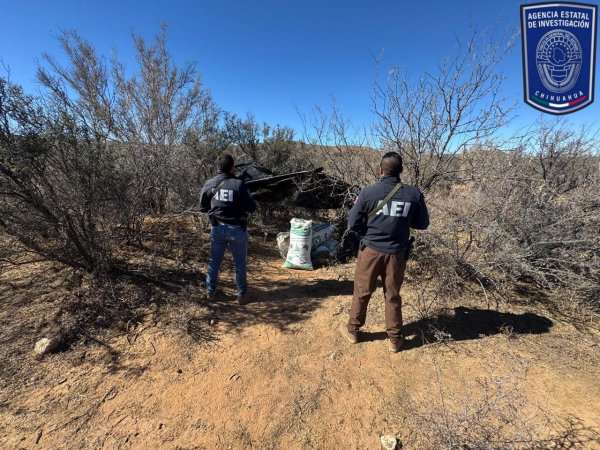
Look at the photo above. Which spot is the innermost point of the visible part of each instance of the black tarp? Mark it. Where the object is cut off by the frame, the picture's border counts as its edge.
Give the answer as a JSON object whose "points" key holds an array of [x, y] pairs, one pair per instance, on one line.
{"points": [[312, 189], [252, 172]]}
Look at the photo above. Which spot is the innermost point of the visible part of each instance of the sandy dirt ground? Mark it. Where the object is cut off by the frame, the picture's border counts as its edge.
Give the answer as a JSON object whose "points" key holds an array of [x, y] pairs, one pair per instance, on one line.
{"points": [[276, 373]]}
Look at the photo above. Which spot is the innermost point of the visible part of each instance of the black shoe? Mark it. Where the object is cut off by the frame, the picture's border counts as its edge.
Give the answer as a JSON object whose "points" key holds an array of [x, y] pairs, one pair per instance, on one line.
{"points": [[243, 299]]}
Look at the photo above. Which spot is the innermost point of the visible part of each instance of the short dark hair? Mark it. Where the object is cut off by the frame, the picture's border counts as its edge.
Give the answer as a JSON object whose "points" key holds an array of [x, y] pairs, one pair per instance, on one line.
{"points": [[391, 163], [225, 163]]}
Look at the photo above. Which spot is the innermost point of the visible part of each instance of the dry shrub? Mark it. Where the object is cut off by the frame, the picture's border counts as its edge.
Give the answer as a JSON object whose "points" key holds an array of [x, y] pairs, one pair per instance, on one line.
{"points": [[523, 217], [433, 288], [492, 413], [432, 118], [343, 149], [62, 190]]}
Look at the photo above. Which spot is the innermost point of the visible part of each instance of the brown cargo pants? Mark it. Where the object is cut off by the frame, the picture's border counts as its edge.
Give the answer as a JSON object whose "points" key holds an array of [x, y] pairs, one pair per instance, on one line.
{"points": [[369, 266]]}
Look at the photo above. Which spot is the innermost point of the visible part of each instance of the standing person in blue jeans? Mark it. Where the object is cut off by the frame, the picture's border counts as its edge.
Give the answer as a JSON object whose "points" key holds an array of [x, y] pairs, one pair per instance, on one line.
{"points": [[228, 203]]}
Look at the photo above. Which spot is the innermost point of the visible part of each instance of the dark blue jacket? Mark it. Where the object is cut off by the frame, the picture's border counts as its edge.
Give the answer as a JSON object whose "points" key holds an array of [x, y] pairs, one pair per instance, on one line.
{"points": [[227, 201], [389, 230]]}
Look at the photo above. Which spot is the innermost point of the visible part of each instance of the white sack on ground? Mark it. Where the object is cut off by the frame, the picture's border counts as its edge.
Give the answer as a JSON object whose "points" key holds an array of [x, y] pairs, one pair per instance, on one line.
{"points": [[283, 243], [298, 255]]}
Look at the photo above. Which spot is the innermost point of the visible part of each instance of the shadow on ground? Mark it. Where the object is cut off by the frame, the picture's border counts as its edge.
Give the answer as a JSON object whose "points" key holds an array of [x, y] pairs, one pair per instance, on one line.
{"points": [[281, 304], [467, 324]]}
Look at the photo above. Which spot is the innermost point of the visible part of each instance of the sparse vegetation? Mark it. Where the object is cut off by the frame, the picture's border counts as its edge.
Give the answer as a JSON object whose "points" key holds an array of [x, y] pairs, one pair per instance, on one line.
{"points": [[100, 243], [493, 414]]}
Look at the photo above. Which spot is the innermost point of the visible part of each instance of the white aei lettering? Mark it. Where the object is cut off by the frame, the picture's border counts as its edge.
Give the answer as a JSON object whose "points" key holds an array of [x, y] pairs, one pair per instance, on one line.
{"points": [[406, 208], [397, 209], [224, 195], [383, 210]]}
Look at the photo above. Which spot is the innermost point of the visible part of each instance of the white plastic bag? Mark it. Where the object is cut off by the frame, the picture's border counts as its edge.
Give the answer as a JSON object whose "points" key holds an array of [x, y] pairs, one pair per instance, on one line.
{"points": [[283, 243]]}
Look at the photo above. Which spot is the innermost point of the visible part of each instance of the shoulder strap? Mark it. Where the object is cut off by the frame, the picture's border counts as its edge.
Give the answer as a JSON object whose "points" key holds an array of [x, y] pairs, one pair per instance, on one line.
{"points": [[385, 200], [216, 188]]}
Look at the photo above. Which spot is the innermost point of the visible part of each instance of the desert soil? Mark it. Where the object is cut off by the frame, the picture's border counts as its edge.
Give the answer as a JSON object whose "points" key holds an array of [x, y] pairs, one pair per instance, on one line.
{"points": [[276, 373]]}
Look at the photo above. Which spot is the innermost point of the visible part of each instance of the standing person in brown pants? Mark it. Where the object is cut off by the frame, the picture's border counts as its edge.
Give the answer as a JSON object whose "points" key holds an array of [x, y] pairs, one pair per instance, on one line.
{"points": [[383, 215]]}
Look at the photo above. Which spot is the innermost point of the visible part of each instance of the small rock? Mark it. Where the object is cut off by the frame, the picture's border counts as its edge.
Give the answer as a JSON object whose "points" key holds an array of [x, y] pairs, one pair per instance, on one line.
{"points": [[179, 371], [45, 345], [213, 321], [389, 442]]}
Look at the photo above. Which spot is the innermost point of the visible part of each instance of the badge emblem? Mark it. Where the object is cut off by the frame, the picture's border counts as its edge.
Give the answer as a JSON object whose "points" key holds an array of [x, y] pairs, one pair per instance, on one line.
{"points": [[559, 48]]}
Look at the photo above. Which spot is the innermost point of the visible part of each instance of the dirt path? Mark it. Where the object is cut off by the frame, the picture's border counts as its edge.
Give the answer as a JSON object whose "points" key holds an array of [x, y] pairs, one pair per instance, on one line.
{"points": [[277, 374]]}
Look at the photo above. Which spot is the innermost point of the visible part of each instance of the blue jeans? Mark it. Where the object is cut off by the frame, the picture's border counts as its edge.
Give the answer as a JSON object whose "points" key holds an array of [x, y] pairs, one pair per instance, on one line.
{"points": [[221, 237]]}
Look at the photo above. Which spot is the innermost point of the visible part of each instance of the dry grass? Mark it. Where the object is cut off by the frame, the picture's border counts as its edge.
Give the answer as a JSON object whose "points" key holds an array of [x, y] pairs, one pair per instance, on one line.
{"points": [[274, 373]]}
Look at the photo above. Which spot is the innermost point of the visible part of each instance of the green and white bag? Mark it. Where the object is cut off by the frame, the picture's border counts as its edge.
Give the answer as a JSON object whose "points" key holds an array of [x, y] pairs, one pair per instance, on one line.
{"points": [[298, 255]]}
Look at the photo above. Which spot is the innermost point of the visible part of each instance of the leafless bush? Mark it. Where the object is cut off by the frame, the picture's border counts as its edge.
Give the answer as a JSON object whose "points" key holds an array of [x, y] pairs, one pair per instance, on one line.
{"points": [[432, 120], [100, 148], [433, 282], [527, 215], [147, 112], [332, 141], [58, 181], [506, 211], [493, 414]]}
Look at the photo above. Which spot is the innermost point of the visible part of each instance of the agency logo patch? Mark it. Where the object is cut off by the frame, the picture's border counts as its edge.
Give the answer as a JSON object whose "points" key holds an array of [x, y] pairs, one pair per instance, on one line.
{"points": [[559, 55]]}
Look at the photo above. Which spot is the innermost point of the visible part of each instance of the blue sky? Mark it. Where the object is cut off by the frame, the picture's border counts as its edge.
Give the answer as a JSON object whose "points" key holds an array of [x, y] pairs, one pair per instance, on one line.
{"points": [[273, 58]]}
